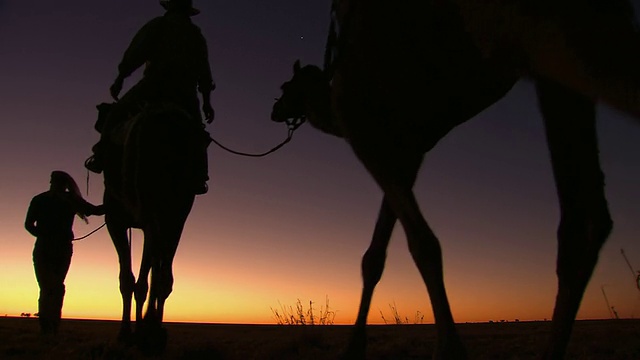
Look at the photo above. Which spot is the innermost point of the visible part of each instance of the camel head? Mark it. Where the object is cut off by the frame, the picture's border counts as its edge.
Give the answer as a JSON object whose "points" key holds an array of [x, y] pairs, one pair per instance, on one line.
{"points": [[305, 95]]}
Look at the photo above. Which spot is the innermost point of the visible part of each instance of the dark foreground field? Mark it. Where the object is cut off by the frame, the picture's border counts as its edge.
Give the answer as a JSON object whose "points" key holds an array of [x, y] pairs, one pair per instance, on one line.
{"points": [[85, 339]]}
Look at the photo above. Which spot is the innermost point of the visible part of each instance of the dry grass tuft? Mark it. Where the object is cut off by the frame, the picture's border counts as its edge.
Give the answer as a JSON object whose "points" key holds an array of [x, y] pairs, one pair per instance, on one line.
{"points": [[300, 316], [418, 318]]}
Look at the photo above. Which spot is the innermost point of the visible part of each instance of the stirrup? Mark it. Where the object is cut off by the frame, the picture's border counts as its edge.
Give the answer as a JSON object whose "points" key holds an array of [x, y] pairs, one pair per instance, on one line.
{"points": [[201, 189], [92, 164]]}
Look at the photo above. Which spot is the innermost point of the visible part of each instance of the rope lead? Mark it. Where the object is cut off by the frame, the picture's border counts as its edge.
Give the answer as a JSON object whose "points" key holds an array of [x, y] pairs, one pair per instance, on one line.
{"points": [[91, 233], [292, 124]]}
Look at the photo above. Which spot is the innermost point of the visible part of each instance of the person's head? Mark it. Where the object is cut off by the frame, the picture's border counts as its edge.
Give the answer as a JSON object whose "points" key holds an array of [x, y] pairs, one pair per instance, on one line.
{"points": [[61, 181], [180, 6]]}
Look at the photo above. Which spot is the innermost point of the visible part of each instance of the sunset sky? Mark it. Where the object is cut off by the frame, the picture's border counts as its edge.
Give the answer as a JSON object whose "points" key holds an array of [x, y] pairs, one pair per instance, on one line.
{"points": [[292, 225]]}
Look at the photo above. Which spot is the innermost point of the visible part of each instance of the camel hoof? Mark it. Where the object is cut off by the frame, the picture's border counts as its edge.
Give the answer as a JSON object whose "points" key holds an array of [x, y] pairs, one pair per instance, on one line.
{"points": [[452, 351], [353, 354], [357, 348], [125, 336], [152, 340]]}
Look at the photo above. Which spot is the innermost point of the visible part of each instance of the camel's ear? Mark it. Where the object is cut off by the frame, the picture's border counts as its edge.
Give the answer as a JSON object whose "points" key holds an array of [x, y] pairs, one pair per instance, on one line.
{"points": [[296, 66]]}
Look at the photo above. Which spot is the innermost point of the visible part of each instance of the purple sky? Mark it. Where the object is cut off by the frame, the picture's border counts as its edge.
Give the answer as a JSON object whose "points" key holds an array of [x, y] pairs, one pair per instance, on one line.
{"points": [[294, 224]]}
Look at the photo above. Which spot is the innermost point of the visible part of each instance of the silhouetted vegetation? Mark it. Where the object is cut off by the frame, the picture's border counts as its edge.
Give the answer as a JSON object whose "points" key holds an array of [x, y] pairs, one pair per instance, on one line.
{"points": [[399, 320], [300, 316]]}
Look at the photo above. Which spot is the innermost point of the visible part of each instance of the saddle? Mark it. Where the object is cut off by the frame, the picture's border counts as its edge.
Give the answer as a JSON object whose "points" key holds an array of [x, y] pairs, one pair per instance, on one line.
{"points": [[103, 112], [126, 133]]}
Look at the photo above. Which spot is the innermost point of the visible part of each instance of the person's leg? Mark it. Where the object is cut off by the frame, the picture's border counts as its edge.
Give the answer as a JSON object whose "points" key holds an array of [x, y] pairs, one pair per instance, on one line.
{"points": [[44, 279], [59, 273]]}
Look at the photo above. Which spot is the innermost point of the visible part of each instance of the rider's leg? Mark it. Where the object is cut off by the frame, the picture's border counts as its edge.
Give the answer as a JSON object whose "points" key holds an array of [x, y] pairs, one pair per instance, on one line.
{"points": [[201, 160], [119, 111], [201, 175]]}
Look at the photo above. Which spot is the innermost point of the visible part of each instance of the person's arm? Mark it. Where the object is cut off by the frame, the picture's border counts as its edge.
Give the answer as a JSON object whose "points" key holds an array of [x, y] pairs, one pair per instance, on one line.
{"points": [[31, 219], [136, 54], [88, 209], [98, 210], [138, 51], [205, 80]]}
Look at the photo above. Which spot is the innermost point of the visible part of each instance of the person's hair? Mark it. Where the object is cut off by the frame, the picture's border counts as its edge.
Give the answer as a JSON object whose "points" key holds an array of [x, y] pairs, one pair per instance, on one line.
{"points": [[69, 186]]}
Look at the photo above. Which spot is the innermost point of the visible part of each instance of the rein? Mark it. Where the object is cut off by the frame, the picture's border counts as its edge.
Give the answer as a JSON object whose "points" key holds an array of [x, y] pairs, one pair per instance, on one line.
{"points": [[89, 234], [292, 124]]}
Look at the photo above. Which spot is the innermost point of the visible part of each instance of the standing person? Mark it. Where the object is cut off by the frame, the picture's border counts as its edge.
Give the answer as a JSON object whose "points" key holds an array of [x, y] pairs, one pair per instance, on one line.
{"points": [[176, 60], [50, 220]]}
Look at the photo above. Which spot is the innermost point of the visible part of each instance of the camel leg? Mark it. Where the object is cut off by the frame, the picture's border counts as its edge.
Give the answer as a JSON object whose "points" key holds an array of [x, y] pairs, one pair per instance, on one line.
{"points": [[165, 243], [150, 317], [426, 252], [585, 221], [486, 86], [120, 240], [165, 286], [153, 317], [151, 337], [372, 268], [608, 73], [596, 52], [142, 285], [394, 169]]}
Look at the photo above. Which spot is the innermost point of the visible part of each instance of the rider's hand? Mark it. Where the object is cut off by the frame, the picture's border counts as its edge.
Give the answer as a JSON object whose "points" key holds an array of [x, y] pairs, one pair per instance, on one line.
{"points": [[116, 88], [209, 113]]}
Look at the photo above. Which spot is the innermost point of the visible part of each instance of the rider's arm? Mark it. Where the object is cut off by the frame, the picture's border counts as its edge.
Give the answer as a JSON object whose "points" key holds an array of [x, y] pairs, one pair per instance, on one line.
{"points": [[138, 51], [205, 80]]}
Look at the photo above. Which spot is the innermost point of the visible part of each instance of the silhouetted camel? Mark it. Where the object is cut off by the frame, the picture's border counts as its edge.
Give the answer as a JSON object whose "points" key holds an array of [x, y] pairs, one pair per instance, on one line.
{"points": [[147, 187], [403, 74]]}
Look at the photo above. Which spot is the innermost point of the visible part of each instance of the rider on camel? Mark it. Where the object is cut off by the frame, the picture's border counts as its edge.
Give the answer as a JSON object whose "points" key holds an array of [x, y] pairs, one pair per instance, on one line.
{"points": [[175, 56]]}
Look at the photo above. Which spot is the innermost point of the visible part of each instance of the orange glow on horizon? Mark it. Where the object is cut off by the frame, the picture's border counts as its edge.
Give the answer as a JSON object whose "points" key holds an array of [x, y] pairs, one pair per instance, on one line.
{"points": [[92, 293], [237, 274]]}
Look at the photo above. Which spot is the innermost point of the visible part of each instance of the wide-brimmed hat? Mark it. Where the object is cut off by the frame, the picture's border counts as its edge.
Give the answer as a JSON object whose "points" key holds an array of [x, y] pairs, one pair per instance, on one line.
{"points": [[182, 5]]}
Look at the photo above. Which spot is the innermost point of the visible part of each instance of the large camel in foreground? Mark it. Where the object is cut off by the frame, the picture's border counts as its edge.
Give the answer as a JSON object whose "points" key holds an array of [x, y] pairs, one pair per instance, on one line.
{"points": [[400, 75]]}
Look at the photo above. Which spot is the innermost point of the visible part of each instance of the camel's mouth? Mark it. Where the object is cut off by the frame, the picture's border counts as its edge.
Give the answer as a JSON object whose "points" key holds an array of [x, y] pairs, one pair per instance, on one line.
{"points": [[280, 113], [277, 118]]}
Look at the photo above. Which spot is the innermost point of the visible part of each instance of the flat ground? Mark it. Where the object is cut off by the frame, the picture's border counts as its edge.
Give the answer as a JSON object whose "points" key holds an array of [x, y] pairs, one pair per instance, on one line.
{"points": [[89, 339]]}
